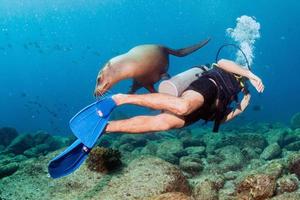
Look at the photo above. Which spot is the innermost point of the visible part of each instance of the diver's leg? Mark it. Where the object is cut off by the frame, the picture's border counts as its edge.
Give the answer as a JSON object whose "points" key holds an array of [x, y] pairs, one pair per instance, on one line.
{"points": [[188, 102], [144, 124]]}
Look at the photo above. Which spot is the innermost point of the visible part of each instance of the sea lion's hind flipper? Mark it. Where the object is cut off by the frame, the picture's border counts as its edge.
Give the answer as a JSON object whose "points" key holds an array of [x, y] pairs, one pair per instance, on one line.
{"points": [[134, 87], [188, 50]]}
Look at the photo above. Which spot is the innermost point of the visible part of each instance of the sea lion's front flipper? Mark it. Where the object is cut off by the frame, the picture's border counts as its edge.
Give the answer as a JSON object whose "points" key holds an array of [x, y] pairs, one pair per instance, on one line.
{"points": [[188, 50], [134, 87], [150, 88]]}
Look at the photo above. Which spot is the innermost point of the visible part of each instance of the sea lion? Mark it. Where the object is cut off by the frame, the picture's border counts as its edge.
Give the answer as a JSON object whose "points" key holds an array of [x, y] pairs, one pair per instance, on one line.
{"points": [[145, 64]]}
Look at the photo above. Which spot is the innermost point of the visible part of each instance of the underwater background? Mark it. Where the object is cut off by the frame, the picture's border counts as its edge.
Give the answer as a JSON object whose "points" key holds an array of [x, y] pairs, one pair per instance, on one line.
{"points": [[51, 52]]}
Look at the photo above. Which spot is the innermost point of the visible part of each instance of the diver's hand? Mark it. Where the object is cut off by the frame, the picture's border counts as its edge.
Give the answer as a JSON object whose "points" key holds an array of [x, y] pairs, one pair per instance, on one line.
{"points": [[256, 82], [245, 101]]}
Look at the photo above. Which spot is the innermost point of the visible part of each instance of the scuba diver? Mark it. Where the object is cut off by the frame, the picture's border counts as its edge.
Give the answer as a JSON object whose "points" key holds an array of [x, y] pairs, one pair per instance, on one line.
{"points": [[198, 93], [209, 98]]}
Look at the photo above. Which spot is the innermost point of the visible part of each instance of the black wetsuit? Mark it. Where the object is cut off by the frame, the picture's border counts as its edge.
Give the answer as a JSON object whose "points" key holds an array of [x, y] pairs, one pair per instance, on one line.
{"points": [[226, 91]]}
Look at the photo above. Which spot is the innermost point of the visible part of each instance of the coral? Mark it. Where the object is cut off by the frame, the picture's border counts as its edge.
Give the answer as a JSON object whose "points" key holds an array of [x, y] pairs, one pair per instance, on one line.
{"points": [[295, 121], [256, 187], [288, 183], [103, 159], [7, 135]]}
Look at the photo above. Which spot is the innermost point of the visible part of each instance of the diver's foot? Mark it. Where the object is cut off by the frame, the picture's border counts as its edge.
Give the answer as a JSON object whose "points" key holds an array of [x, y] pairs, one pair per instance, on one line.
{"points": [[119, 99]]}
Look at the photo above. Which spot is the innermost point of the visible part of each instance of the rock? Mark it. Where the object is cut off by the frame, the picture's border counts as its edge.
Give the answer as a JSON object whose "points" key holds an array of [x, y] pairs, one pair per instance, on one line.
{"points": [[228, 192], [252, 140], [105, 141], [233, 159], [295, 121], [276, 136], [289, 139], [170, 150], [145, 177], [294, 146], [294, 164], [7, 135], [270, 152], [2, 147], [256, 187], [288, 183], [191, 165], [41, 137], [231, 175], [57, 142], [7, 170], [172, 196], [199, 151], [287, 196], [273, 168], [190, 141], [126, 148], [205, 190], [250, 153], [150, 149], [21, 144], [41, 149], [134, 140]]}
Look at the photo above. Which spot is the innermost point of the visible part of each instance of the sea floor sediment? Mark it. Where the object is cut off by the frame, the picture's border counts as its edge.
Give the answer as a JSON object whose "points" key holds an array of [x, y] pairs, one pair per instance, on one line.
{"points": [[254, 161]]}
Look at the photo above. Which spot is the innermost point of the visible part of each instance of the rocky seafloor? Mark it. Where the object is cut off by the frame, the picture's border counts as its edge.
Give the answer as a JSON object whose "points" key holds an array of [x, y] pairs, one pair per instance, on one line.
{"points": [[256, 161]]}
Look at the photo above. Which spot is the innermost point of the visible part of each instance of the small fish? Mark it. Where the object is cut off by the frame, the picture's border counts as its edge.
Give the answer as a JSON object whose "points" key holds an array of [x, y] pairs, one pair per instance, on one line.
{"points": [[257, 108], [36, 44], [25, 46], [23, 94], [96, 53]]}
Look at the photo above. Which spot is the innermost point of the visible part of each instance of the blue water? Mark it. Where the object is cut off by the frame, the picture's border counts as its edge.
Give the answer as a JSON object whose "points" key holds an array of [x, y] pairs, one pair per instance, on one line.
{"points": [[51, 51]]}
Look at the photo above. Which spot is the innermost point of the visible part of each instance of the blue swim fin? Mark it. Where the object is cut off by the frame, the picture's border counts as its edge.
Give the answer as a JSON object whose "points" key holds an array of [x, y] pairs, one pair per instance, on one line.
{"points": [[69, 160], [90, 122]]}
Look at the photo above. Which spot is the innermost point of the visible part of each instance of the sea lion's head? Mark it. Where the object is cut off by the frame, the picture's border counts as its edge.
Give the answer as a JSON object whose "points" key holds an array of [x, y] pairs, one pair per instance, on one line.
{"points": [[104, 81]]}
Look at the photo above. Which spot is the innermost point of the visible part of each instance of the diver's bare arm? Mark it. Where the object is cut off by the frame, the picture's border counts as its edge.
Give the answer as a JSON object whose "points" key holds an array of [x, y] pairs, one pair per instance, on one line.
{"points": [[232, 67], [188, 102], [242, 106]]}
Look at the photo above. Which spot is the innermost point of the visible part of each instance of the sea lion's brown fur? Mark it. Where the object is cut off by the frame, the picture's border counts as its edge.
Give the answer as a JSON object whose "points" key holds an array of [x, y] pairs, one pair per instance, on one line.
{"points": [[146, 64]]}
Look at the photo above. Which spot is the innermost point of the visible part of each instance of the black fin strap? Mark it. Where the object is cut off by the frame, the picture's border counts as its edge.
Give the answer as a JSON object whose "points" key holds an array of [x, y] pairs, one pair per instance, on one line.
{"points": [[216, 126]]}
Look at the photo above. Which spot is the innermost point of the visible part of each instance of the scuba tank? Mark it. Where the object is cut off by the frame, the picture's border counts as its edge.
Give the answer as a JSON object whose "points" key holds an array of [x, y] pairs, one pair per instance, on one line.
{"points": [[178, 84]]}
